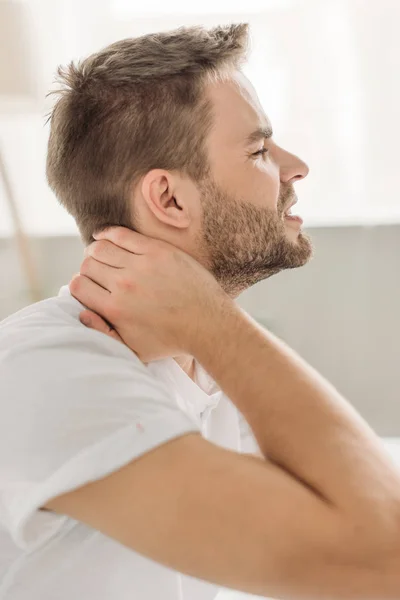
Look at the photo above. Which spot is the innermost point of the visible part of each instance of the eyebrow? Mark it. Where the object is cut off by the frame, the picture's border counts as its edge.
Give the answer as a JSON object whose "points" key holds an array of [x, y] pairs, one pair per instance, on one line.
{"points": [[259, 134]]}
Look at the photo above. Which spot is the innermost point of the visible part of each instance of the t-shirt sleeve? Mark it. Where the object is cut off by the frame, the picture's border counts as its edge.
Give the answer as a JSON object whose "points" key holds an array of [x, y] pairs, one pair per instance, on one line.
{"points": [[76, 405]]}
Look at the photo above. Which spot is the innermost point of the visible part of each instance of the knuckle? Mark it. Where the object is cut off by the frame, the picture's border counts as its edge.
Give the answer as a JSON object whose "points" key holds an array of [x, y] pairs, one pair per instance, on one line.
{"points": [[75, 284], [85, 263], [98, 248], [126, 284], [121, 234]]}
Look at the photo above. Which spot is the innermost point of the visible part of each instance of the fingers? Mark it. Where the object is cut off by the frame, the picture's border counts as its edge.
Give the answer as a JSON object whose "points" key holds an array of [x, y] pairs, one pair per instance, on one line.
{"points": [[128, 239], [90, 294], [106, 252], [94, 321], [100, 273]]}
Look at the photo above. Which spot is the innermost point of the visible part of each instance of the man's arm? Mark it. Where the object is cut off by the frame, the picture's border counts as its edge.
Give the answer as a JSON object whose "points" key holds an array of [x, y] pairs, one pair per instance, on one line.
{"points": [[322, 522], [303, 425]]}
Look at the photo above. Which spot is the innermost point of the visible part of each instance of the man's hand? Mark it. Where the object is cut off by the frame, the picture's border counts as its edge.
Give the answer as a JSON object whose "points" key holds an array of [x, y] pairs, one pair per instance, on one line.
{"points": [[157, 298]]}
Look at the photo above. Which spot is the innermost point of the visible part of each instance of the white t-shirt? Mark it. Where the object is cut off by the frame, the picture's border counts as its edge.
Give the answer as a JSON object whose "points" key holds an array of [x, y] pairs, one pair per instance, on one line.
{"points": [[75, 406]]}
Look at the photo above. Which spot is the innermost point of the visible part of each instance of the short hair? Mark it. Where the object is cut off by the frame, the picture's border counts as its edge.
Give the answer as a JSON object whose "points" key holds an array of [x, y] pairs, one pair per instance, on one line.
{"points": [[135, 105]]}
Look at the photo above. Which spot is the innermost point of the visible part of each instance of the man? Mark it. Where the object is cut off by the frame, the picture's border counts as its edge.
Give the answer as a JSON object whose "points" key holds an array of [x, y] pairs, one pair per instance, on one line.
{"points": [[125, 474]]}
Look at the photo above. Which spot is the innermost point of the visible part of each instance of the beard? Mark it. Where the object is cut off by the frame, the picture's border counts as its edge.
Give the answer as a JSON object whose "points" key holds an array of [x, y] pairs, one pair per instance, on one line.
{"points": [[243, 244]]}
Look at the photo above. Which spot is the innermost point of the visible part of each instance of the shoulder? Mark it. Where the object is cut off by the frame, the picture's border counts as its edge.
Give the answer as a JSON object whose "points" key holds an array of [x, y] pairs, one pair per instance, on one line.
{"points": [[51, 330], [48, 355]]}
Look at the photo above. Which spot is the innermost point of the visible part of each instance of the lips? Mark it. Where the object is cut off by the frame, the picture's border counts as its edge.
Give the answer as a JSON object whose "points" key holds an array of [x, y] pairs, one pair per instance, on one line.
{"points": [[290, 206]]}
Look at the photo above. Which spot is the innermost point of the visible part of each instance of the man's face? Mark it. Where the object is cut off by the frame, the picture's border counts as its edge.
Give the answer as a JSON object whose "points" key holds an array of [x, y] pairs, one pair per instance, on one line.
{"points": [[243, 231]]}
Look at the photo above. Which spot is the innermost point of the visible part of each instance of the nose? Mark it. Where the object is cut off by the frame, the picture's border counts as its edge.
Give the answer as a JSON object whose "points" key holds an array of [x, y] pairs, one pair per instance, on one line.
{"points": [[293, 168], [299, 169], [305, 169]]}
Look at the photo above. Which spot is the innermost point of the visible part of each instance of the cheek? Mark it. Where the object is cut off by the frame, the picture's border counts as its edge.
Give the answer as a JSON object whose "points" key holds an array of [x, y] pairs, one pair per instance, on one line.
{"points": [[255, 182], [263, 188]]}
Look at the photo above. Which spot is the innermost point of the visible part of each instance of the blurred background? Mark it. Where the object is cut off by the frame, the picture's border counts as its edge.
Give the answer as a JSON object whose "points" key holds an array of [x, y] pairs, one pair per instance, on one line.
{"points": [[328, 75]]}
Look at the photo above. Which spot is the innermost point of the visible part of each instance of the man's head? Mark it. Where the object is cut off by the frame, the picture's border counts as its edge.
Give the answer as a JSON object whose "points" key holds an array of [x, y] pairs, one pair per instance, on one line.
{"points": [[154, 133]]}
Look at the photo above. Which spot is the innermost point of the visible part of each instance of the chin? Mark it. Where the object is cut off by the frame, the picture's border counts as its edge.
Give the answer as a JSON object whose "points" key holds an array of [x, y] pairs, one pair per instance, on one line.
{"points": [[293, 233]]}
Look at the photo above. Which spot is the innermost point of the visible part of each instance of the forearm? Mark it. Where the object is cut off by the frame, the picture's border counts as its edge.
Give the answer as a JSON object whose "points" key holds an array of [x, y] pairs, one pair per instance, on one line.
{"points": [[300, 420]]}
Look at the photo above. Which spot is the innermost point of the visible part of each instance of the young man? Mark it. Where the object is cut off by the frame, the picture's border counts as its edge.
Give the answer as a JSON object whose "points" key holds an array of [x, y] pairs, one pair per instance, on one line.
{"points": [[124, 466]]}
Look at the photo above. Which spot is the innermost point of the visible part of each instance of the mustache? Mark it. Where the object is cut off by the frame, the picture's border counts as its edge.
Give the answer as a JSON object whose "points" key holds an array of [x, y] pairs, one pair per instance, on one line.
{"points": [[288, 201]]}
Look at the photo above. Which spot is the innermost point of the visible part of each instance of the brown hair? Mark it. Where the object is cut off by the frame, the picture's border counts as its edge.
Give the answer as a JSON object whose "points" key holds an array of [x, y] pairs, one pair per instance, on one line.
{"points": [[134, 106]]}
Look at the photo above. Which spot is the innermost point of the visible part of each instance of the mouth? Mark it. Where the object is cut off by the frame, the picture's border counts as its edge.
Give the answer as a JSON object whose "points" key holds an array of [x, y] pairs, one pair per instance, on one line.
{"points": [[289, 216], [288, 208]]}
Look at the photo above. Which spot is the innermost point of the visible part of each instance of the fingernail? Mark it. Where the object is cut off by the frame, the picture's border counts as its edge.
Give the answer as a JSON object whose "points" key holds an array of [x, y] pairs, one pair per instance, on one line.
{"points": [[86, 321]]}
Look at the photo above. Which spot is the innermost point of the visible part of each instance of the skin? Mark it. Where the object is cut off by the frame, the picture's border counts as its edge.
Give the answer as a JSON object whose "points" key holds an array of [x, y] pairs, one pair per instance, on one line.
{"points": [[233, 223]]}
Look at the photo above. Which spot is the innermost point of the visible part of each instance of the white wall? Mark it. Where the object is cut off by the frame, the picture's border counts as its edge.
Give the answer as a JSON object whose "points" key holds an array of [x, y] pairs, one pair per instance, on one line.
{"points": [[327, 73]]}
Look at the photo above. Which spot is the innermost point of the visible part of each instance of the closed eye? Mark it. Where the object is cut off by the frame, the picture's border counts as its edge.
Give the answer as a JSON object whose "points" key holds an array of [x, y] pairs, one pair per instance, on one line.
{"points": [[261, 152]]}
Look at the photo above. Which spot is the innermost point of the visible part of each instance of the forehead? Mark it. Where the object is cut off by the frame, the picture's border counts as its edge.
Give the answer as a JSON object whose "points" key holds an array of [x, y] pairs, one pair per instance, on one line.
{"points": [[237, 109]]}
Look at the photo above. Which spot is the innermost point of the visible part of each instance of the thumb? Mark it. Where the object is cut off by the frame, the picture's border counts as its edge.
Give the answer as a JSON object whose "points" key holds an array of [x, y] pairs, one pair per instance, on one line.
{"points": [[94, 321]]}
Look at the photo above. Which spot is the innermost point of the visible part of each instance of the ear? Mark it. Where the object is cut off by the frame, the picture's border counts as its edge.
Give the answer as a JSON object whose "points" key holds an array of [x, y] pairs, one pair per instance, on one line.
{"points": [[164, 195]]}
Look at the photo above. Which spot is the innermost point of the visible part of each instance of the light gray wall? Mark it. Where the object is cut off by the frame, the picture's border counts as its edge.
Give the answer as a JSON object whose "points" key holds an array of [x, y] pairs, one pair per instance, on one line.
{"points": [[340, 312]]}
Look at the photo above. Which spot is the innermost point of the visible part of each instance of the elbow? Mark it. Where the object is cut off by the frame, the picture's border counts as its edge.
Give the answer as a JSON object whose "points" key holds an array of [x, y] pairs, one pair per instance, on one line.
{"points": [[376, 553], [361, 570], [374, 541]]}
